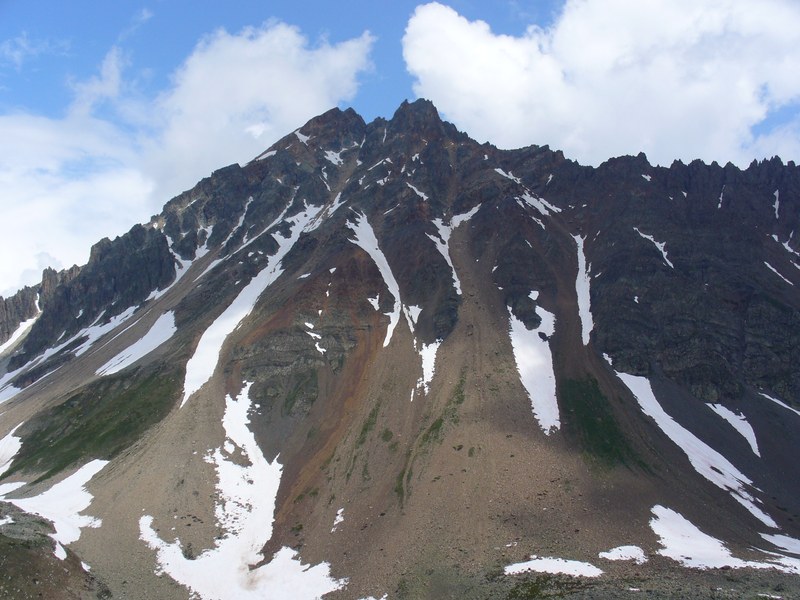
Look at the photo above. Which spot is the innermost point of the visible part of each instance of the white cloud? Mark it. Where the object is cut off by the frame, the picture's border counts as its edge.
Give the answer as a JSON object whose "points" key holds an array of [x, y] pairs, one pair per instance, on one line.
{"points": [[18, 50], [236, 94], [674, 78], [115, 158]]}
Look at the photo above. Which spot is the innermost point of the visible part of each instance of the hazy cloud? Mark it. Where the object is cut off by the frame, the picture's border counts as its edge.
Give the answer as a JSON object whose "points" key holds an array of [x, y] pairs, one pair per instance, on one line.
{"points": [[18, 50], [674, 78]]}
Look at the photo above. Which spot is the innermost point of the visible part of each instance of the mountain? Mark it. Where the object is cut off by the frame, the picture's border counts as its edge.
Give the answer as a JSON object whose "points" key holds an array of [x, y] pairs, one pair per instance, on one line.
{"points": [[384, 360]]}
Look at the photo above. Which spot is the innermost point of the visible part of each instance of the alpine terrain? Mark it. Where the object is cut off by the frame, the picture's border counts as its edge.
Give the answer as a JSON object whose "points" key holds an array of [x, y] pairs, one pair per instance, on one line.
{"points": [[382, 360]]}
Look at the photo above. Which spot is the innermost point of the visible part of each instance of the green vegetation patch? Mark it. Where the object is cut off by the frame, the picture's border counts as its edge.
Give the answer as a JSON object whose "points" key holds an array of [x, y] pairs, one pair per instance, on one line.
{"points": [[368, 426], [99, 421], [592, 421]]}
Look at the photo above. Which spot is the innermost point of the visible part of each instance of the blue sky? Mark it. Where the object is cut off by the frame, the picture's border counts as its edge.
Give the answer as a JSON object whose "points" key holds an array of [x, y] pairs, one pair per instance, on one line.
{"points": [[108, 109]]}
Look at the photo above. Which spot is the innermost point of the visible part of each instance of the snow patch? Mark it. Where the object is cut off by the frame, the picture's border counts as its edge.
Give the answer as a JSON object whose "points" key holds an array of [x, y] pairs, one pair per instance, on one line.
{"points": [[540, 204], [338, 519], [582, 287], [683, 542], [21, 330], [659, 245], [302, 138], [420, 194], [443, 241], [784, 542], [9, 446], [267, 154], [62, 505], [633, 553], [508, 176], [334, 157], [247, 493], [428, 354], [646, 177], [161, 331], [535, 366], [706, 461], [555, 566], [739, 423], [777, 203]]}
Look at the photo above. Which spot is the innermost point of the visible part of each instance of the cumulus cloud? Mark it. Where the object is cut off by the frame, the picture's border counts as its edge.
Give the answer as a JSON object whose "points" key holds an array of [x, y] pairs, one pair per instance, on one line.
{"points": [[236, 94], [673, 78], [115, 158]]}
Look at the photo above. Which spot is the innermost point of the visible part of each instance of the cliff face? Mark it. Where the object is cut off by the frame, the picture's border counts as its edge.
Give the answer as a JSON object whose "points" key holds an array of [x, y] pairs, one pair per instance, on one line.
{"points": [[451, 357]]}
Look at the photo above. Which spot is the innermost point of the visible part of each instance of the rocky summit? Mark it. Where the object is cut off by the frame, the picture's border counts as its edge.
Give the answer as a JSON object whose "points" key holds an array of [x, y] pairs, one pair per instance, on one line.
{"points": [[383, 360]]}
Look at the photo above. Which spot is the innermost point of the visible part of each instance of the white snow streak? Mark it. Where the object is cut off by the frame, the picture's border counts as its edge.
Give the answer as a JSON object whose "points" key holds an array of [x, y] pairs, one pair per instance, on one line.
{"points": [[366, 240], [780, 403], [777, 203], [63, 503], [161, 331], [706, 461], [508, 176], [739, 423], [420, 194], [203, 362], [535, 366], [583, 290], [555, 566], [540, 204], [646, 178], [659, 245], [774, 270], [443, 241], [247, 493]]}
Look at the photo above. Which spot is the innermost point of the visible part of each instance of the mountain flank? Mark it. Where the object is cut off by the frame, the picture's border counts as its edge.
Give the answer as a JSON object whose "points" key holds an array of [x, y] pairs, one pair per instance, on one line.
{"points": [[384, 360]]}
